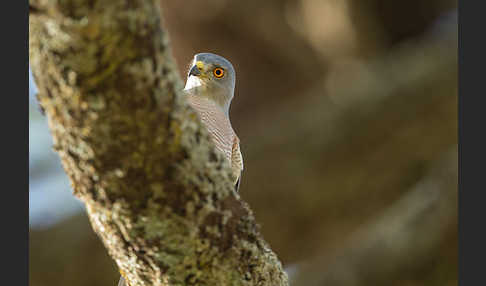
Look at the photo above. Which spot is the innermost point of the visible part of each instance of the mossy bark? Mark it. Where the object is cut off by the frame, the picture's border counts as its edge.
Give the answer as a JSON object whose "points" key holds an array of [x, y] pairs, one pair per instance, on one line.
{"points": [[157, 192]]}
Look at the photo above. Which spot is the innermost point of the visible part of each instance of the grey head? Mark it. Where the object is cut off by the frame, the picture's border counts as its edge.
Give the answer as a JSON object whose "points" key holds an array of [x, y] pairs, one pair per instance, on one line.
{"points": [[211, 76]]}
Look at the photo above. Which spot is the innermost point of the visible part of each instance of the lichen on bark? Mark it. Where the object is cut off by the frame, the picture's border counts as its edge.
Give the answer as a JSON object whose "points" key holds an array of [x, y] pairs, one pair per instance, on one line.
{"points": [[156, 190]]}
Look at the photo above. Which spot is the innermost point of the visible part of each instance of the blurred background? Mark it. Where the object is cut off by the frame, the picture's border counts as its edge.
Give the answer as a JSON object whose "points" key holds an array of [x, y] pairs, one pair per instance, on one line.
{"points": [[347, 115]]}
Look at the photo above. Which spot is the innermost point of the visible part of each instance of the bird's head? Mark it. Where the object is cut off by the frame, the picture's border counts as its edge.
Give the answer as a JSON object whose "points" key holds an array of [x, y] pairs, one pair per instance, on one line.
{"points": [[212, 76]]}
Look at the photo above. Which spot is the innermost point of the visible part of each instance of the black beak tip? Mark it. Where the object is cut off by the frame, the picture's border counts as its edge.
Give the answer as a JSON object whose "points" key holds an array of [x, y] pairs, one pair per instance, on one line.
{"points": [[194, 71]]}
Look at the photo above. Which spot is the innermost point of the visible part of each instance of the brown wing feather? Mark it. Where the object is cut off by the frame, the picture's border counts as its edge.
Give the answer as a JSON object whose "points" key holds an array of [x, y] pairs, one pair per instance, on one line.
{"points": [[237, 161]]}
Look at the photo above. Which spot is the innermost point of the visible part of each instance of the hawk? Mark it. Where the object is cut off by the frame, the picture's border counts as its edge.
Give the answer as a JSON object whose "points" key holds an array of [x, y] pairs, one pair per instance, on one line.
{"points": [[209, 89]]}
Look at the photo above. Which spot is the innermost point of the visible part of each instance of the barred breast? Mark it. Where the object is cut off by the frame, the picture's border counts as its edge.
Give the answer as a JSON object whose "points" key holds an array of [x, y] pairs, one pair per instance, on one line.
{"points": [[217, 123]]}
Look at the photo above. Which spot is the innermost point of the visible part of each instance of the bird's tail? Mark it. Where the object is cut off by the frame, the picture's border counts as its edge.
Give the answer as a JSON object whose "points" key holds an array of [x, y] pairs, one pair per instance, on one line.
{"points": [[237, 185], [122, 282]]}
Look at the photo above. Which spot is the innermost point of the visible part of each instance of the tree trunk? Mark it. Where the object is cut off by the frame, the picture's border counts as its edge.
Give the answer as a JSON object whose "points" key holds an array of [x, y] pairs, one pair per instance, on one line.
{"points": [[157, 192]]}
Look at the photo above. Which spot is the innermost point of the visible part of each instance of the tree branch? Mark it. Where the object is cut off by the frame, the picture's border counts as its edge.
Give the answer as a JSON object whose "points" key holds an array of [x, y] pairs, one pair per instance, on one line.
{"points": [[372, 130], [157, 192], [402, 235]]}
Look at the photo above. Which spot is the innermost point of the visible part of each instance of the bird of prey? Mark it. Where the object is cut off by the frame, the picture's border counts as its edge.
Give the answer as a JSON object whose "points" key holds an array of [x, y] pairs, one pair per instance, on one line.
{"points": [[209, 89]]}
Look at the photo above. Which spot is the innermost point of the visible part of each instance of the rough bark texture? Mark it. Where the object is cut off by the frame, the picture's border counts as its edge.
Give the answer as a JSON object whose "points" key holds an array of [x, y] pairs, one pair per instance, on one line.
{"points": [[156, 191]]}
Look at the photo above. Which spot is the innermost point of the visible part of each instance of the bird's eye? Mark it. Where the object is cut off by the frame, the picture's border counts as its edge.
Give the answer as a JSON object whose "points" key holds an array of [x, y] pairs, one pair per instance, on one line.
{"points": [[218, 72]]}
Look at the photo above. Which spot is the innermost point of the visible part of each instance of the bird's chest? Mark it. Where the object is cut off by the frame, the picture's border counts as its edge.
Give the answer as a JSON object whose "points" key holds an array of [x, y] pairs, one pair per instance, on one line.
{"points": [[217, 123]]}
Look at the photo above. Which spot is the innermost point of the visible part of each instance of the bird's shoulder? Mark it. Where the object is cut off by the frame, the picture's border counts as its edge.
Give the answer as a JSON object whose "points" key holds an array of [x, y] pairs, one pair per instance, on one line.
{"points": [[237, 157]]}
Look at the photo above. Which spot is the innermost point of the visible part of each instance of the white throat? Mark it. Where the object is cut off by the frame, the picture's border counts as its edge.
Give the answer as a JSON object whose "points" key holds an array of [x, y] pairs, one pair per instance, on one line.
{"points": [[192, 82]]}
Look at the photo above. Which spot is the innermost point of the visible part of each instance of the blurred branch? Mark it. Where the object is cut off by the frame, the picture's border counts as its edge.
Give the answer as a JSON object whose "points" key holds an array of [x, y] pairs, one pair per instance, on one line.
{"points": [[77, 258], [353, 143], [405, 80], [403, 234], [156, 191]]}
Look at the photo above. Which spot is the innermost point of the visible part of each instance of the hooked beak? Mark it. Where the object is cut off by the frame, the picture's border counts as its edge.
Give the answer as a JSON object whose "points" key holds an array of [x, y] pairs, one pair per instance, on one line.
{"points": [[195, 71]]}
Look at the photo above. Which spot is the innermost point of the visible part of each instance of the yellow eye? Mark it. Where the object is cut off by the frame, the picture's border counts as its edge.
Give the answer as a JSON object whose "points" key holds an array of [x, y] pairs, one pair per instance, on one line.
{"points": [[218, 72]]}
